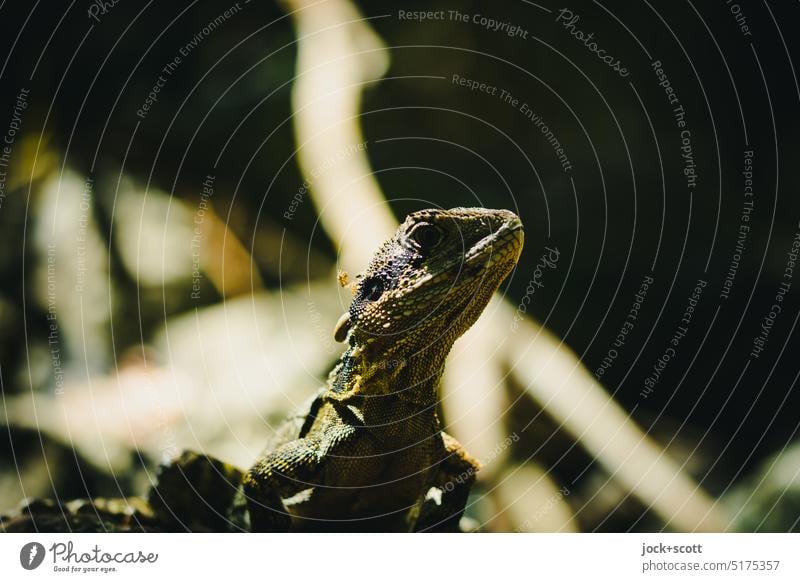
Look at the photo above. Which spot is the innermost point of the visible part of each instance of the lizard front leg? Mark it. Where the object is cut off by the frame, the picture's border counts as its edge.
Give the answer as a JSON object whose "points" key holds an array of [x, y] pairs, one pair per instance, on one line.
{"points": [[285, 471], [454, 478]]}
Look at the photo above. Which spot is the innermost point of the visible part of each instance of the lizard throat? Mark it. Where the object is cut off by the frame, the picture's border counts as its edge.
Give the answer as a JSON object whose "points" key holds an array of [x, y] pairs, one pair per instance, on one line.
{"points": [[413, 378]]}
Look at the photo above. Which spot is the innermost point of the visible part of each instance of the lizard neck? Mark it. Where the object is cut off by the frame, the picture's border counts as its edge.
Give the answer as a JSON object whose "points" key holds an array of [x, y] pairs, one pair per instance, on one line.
{"points": [[411, 376]]}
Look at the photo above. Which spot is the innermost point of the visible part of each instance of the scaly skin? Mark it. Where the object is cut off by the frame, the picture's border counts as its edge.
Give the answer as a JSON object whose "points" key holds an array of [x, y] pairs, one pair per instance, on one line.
{"points": [[369, 453]]}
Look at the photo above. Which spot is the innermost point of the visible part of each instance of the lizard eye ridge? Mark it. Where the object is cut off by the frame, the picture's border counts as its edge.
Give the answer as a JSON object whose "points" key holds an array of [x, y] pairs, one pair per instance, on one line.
{"points": [[426, 236]]}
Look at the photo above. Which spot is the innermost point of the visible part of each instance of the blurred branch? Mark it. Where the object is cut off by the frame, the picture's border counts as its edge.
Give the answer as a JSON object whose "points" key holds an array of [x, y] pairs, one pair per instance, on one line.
{"points": [[338, 53], [554, 377], [225, 260]]}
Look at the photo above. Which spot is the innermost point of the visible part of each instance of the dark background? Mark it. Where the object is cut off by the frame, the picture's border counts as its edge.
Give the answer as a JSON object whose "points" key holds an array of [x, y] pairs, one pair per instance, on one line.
{"points": [[630, 213]]}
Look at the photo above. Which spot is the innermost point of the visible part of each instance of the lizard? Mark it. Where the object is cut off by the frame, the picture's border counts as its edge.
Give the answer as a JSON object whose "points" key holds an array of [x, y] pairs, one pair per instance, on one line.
{"points": [[369, 452]]}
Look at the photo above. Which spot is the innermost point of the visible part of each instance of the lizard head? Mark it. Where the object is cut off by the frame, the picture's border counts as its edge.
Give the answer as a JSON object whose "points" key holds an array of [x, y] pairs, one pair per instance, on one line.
{"points": [[433, 278]]}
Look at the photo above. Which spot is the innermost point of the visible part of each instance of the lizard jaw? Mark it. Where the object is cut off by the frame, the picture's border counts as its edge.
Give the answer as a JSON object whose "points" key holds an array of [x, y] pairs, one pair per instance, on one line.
{"points": [[504, 244]]}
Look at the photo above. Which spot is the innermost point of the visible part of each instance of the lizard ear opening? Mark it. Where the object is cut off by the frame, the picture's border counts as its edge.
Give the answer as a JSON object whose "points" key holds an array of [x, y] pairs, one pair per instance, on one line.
{"points": [[342, 327]]}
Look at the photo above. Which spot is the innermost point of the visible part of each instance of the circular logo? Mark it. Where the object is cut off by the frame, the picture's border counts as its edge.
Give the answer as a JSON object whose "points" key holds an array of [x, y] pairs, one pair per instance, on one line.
{"points": [[31, 555]]}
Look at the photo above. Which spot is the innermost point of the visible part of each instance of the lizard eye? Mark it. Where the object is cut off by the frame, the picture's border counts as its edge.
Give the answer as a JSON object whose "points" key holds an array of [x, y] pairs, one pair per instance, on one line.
{"points": [[426, 235], [371, 289]]}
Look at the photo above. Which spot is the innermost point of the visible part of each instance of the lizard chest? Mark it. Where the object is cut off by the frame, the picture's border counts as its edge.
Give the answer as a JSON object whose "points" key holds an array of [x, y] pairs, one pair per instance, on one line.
{"points": [[370, 483]]}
